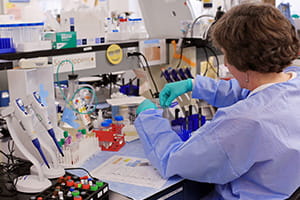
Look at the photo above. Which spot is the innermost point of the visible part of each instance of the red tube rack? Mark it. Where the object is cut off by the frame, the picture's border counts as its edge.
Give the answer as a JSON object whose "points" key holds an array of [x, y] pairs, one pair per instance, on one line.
{"points": [[111, 139]]}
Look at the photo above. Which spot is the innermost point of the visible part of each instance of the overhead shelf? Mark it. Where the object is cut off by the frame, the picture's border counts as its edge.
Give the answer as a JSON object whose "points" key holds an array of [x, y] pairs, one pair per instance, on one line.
{"points": [[57, 52]]}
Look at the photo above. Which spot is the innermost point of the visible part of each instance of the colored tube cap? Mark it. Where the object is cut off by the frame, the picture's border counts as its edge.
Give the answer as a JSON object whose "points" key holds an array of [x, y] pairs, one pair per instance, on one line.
{"points": [[78, 184], [119, 118], [94, 187], [85, 186], [77, 198], [105, 124], [75, 193], [84, 177], [70, 183], [108, 120], [83, 131], [99, 183], [66, 134]]}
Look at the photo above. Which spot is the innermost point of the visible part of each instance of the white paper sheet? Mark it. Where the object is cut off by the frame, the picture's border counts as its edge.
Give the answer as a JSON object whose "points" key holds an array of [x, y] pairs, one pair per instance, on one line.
{"points": [[130, 170], [126, 101]]}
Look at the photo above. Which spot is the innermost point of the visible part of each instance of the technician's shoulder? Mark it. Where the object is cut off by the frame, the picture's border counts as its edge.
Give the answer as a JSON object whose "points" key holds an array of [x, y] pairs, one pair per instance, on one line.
{"points": [[245, 108]]}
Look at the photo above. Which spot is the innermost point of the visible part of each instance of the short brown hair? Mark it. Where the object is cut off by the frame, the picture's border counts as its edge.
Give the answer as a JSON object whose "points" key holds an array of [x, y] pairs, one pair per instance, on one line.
{"points": [[256, 37]]}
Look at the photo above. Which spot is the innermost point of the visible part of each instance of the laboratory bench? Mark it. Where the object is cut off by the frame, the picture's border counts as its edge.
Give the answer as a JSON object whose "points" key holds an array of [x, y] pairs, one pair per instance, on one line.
{"points": [[175, 187]]}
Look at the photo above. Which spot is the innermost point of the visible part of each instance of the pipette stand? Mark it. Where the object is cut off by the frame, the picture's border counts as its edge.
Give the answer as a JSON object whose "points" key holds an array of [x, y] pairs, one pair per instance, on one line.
{"points": [[55, 169], [51, 173], [27, 183], [22, 82]]}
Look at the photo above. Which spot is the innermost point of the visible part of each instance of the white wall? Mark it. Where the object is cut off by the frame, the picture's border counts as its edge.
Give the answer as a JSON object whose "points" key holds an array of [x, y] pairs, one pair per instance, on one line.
{"points": [[53, 5]]}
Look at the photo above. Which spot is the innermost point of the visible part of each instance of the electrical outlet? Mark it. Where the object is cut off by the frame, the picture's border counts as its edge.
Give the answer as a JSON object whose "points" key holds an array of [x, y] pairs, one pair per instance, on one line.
{"points": [[130, 50]]}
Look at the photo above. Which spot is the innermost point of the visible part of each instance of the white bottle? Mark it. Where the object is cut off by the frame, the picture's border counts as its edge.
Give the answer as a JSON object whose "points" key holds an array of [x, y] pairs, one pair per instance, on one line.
{"points": [[139, 28], [124, 29]]}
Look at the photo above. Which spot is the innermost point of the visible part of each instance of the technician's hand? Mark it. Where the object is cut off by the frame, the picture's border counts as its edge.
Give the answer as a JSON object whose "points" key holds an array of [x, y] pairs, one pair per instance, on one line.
{"points": [[145, 105], [173, 90]]}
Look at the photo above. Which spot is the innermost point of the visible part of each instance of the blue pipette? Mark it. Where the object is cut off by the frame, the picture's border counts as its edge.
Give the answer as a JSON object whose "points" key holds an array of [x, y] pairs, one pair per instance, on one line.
{"points": [[182, 74], [175, 75], [188, 73], [167, 76], [41, 112]]}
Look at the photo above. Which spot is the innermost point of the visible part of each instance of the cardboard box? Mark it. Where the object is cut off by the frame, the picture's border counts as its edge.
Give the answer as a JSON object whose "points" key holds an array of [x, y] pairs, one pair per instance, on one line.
{"points": [[64, 40], [61, 40]]}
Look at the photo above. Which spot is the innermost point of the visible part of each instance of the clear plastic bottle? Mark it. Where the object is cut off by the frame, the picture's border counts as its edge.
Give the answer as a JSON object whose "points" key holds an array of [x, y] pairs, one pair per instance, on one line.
{"points": [[131, 25], [108, 25], [124, 28], [119, 120], [105, 127], [139, 28], [109, 121], [35, 30], [119, 123]]}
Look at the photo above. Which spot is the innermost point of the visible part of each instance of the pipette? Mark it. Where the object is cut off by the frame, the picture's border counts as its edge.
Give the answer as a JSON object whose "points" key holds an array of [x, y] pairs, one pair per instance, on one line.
{"points": [[188, 73], [182, 74], [25, 119], [175, 75], [41, 112], [167, 76]]}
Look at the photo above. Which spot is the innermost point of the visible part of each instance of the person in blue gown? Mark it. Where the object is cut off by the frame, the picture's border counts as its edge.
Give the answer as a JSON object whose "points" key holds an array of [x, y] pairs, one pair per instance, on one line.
{"points": [[250, 149]]}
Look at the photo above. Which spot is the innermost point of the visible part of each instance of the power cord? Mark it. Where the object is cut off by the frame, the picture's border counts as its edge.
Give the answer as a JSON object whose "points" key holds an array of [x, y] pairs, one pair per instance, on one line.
{"points": [[138, 54], [209, 64], [180, 58], [195, 21], [10, 170], [80, 168], [217, 59]]}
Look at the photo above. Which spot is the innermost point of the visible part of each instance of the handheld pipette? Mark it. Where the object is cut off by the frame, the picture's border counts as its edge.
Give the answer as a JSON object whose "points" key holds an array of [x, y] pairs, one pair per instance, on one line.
{"points": [[25, 119], [182, 74], [167, 76], [188, 73], [175, 75], [41, 113]]}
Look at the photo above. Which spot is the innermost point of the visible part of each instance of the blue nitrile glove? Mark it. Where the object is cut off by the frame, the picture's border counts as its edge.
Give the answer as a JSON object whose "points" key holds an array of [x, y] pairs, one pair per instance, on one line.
{"points": [[173, 90], [145, 105]]}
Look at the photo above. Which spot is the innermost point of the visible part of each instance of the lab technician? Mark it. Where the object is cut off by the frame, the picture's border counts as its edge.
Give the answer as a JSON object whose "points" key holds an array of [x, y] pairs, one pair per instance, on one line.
{"points": [[251, 147]]}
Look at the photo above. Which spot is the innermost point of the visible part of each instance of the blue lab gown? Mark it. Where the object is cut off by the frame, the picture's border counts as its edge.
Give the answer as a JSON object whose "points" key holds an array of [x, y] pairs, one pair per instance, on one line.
{"points": [[250, 149]]}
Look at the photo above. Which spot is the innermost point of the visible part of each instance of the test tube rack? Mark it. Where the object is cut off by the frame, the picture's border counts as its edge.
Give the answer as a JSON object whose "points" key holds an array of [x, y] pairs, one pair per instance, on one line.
{"points": [[112, 139], [71, 187], [82, 146]]}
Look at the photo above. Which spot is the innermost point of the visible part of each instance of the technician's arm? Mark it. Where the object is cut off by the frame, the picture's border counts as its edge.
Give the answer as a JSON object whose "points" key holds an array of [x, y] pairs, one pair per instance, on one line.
{"points": [[201, 158], [218, 93]]}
